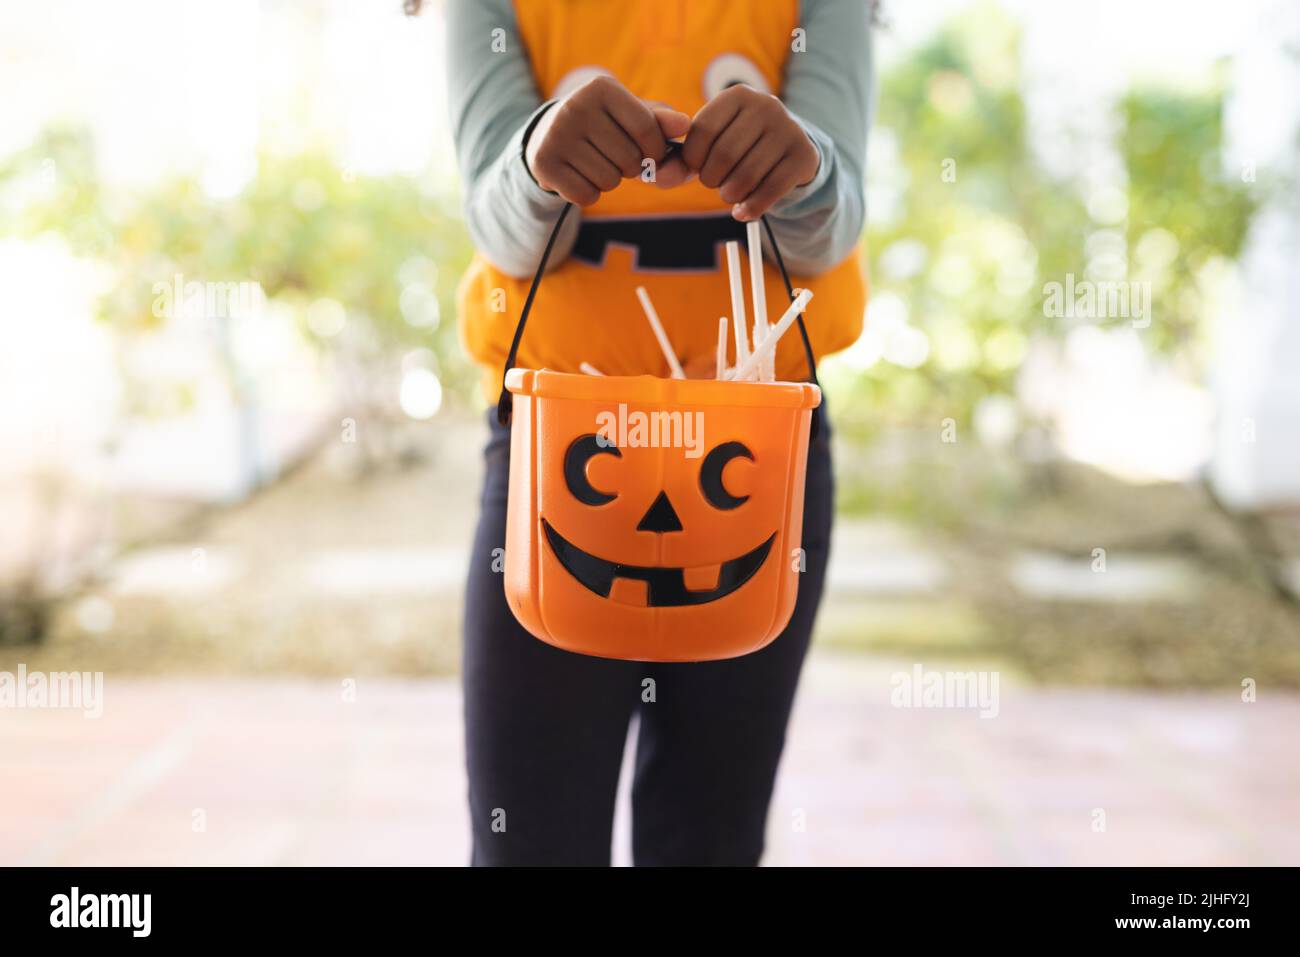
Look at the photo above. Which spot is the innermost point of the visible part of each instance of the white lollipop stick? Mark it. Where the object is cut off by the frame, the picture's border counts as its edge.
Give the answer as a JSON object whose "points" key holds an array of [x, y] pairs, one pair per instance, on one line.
{"points": [[588, 368], [759, 294], [722, 348], [738, 324], [657, 328], [750, 365]]}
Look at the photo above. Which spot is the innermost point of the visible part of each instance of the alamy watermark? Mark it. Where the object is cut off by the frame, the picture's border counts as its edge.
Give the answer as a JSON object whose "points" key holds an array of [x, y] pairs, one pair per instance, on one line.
{"points": [[196, 300], [56, 690], [655, 430], [75, 909], [919, 688], [1106, 299]]}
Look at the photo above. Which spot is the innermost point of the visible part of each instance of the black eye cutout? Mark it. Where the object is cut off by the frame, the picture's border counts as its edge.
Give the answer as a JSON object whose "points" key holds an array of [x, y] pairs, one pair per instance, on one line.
{"points": [[711, 475], [580, 452]]}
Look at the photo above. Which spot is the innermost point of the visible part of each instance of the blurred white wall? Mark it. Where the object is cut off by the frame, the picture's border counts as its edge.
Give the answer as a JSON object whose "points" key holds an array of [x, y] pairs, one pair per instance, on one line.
{"points": [[1257, 374]]}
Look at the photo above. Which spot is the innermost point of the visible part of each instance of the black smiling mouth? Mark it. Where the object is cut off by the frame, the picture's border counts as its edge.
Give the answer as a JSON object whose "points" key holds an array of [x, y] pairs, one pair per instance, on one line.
{"points": [[665, 587]]}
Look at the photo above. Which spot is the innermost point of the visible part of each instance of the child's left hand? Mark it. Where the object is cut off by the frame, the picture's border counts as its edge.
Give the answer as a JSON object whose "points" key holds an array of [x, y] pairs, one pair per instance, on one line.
{"points": [[745, 144]]}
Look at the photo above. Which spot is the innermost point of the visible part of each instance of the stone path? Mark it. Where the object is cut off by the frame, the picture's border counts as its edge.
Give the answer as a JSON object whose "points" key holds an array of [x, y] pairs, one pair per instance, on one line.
{"points": [[288, 772]]}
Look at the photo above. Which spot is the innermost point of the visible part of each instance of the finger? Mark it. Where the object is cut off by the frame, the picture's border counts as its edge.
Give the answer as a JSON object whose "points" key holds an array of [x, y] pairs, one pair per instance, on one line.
{"points": [[673, 173], [749, 173], [672, 123], [592, 164], [707, 125], [638, 121], [777, 184], [615, 145], [574, 187], [730, 150]]}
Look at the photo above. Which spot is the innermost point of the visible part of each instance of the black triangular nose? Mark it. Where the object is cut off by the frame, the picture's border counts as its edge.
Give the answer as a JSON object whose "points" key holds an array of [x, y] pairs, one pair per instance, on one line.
{"points": [[660, 517]]}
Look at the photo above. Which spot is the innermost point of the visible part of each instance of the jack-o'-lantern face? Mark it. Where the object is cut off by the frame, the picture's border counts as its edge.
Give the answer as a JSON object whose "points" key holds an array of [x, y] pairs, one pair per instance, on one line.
{"points": [[676, 541], [683, 519], [665, 586]]}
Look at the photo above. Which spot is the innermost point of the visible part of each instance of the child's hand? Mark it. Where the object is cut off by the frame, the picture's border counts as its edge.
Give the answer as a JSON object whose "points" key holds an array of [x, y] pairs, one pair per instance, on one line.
{"points": [[597, 136], [744, 143]]}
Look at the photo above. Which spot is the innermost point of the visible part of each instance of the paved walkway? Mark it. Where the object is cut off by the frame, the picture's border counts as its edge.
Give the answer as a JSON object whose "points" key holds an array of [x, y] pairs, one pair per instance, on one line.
{"points": [[288, 772]]}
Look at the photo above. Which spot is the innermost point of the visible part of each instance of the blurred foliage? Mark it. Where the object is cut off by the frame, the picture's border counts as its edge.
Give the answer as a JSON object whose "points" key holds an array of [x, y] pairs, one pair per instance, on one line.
{"points": [[966, 223], [304, 228], [53, 186], [1184, 210]]}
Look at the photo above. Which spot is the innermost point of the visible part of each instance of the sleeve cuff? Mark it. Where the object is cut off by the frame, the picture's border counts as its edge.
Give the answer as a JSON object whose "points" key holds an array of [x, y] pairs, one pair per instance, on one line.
{"points": [[517, 166], [792, 203]]}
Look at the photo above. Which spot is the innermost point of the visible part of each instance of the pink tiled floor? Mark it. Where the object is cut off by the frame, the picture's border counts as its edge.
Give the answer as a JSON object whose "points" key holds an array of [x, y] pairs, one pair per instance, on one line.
{"points": [[286, 772]]}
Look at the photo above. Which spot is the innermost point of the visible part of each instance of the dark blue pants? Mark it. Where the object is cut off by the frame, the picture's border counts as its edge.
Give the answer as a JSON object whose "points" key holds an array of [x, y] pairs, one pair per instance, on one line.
{"points": [[545, 728]]}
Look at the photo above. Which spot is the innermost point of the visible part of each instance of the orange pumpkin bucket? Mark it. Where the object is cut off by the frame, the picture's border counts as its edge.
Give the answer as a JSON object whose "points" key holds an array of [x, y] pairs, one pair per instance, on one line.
{"points": [[654, 519]]}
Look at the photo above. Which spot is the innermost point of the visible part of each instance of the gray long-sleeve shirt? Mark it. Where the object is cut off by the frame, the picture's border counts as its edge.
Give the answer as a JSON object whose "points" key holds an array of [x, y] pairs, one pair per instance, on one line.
{"points": [[493, 99]]}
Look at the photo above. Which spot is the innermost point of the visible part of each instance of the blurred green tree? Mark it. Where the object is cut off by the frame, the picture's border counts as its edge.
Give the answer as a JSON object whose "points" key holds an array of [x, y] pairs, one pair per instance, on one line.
{"points": [[304, 228], [967, 224], [1186, 210]]}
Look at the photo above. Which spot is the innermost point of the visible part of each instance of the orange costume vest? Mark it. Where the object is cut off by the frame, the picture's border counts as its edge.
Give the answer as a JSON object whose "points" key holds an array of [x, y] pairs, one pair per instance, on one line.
{"points": [[679, 52]]}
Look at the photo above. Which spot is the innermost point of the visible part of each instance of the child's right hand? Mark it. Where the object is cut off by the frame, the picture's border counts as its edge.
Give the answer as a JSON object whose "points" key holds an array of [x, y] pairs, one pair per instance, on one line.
{"points": [[599, 135]]}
